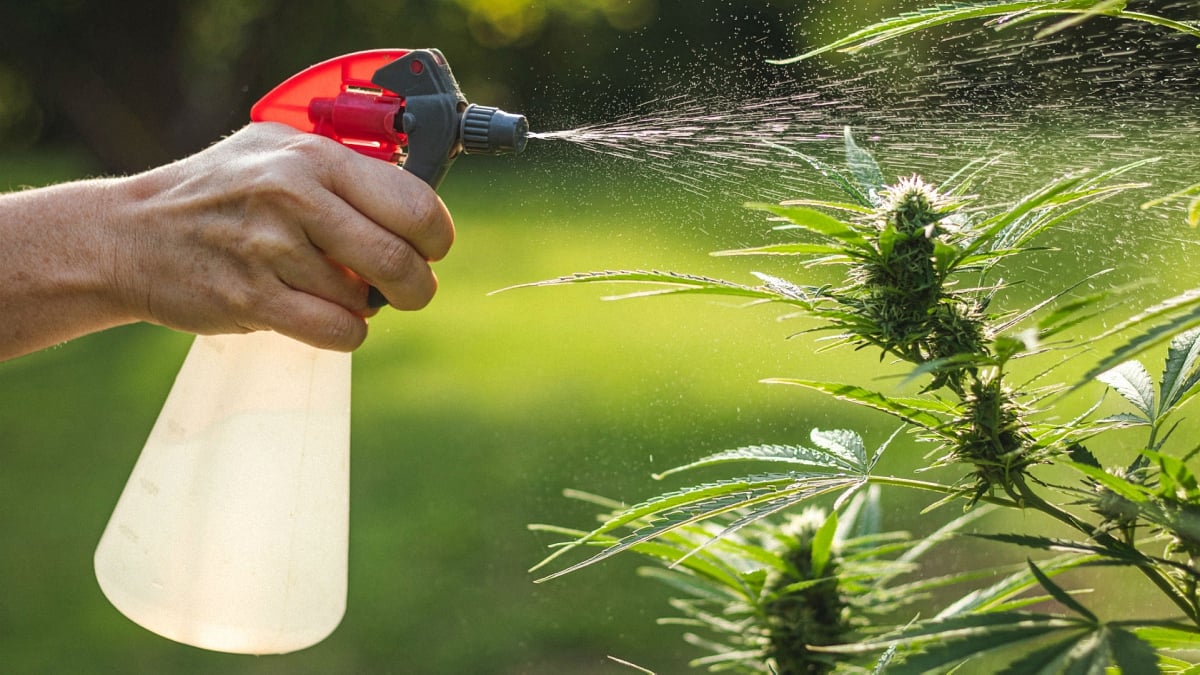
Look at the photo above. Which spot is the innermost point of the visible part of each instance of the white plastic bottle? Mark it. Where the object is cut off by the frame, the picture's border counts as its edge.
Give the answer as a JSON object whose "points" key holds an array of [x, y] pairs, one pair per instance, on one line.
{"points": [[232, 532]]}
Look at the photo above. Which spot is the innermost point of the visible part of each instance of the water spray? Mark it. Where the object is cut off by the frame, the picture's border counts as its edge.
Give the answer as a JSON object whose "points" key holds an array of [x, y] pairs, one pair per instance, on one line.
{"points": [[232, 532]]}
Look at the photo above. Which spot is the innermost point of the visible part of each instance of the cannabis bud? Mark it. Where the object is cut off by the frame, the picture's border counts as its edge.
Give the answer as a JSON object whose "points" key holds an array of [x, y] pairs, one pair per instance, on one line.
{"points": [[991, 436], [900, 293], [813, 615]]}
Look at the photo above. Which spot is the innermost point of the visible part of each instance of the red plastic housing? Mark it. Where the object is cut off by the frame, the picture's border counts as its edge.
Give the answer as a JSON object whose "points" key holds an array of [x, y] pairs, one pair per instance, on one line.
{"points": [[337, 99]]}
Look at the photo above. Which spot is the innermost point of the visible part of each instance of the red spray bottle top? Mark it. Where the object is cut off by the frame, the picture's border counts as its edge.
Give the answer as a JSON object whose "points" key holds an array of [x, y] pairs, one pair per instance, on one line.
{"points": [[393, 104]]}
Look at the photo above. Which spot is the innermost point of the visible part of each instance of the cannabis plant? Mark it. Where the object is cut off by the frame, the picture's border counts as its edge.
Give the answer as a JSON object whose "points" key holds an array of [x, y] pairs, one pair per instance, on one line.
{"points": [[768, 583]]}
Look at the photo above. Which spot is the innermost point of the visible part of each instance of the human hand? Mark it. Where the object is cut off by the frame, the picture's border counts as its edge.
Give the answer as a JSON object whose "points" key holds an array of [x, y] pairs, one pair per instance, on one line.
{"points": [[276, 229]]}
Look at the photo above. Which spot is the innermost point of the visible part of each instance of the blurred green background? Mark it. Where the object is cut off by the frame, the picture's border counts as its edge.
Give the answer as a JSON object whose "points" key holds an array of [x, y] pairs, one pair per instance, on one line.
{"points": [[471, 416]]}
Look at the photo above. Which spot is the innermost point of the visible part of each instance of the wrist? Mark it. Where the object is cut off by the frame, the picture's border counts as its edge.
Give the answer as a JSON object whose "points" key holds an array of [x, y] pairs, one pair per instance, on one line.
{"points": [[129, 225], [113, 237]]}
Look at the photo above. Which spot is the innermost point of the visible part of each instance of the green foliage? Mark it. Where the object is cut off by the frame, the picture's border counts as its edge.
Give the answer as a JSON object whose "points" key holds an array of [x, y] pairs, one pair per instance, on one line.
{"points": [[754, 496], [773, 594], [1193, 206], [1000, 15], [788, 594], [1159, 323]]}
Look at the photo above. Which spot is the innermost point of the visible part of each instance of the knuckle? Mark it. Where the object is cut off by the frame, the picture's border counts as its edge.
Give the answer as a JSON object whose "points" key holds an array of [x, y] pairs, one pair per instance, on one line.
{"points": [[272, 180], [341, 331], [267, 171], [268, 245], [398, 261], [430, 224], [290, 174], [312, 148], [273, 188]]}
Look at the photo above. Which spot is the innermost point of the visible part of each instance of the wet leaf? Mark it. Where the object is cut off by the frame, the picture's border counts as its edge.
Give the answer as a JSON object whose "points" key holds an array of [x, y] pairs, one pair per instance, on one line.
{"points": [[669, 512], [1102, 7], [665, 502], [844, 443], [1049, 660], [1004, 14], [1131, 654], [827, 171], [1015, 225], [885, 660], [817, 222], [797, 248], [822, 544], [1001, 592], [871, 399], [1061, 595], [1169, 637], [1181, 372], [837, 206], [863, 167], [819, 458], [979, 625], [1159, 323], [1133, 383]]}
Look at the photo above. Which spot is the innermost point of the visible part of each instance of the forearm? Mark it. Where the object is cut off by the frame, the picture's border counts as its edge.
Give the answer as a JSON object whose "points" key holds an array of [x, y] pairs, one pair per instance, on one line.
{"points": [[59, 248], [269, 229]]}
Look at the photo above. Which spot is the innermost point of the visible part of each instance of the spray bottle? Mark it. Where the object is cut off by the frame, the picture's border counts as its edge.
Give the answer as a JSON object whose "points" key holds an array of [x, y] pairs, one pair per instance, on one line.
{"points": [[232, 532]]}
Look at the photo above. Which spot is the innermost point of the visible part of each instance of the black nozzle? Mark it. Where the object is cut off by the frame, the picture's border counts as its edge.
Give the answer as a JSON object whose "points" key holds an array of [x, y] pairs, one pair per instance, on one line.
{"points": [[491, 131]]}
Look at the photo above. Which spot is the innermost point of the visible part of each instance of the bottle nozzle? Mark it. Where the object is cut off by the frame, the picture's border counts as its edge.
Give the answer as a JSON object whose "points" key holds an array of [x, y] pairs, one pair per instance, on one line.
{"points": [[490, 131]]}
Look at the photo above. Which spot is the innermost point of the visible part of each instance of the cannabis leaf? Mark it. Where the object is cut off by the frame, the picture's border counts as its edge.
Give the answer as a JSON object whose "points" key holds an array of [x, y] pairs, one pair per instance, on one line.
{"points": [[1165, 320], [1193, 207], [1131, 381], [754, 497], [837, 450], [1180, 382], [671, 283], [817, 222], [1081, 643], [1181, 373], [913, 411], [1002, 15], [863, 167]]}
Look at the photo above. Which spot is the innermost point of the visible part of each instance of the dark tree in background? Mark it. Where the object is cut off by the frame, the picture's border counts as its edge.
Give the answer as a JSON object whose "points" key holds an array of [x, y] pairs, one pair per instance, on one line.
{"points": [[86, 71], [141, 82]]}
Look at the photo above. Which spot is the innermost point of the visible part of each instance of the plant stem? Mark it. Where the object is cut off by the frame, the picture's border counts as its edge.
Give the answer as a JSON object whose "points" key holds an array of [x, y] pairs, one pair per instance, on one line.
{"points": [[1160, 21], [1035, 501], [936, 487]]}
